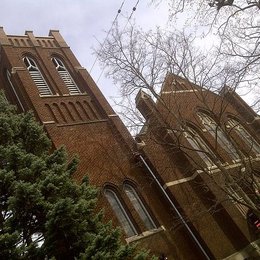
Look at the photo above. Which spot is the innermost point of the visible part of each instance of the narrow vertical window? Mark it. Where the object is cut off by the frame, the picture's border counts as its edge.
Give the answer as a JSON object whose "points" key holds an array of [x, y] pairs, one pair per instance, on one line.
{"points": [[244, 135], [216, 132], [66, 77], [37, 77], [139, 206], [120, 212], [200, 146], [8, 75]]}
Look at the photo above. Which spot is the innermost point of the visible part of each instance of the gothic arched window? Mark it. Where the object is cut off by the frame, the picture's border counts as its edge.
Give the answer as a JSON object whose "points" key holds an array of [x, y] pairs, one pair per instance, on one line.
{"points": [[199, 145], [37, 77], [66, 77], [217, 133], [120, 212], [244, 135], [139, 206]]}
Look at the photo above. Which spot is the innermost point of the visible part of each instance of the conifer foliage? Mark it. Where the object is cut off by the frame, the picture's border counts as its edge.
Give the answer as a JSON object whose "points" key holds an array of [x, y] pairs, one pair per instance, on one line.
{"points": [[44, 213]]}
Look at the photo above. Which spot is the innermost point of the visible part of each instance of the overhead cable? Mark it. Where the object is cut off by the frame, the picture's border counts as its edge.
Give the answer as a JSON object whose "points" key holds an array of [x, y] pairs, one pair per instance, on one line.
{"points": [[112, 25], [129, 18]]}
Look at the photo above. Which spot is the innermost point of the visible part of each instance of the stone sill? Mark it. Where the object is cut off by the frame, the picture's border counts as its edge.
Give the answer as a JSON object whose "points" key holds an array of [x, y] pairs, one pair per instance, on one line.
{"points": [[145, 234]]}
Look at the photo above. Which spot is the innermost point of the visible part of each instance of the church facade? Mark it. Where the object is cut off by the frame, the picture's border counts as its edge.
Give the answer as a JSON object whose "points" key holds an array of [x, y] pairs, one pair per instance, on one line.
{"points": [[162, 195]]}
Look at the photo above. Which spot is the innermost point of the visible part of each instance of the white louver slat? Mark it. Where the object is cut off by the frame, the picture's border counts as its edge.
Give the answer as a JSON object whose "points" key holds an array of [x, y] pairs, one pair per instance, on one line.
{"points": [[66, 77], [69, 82], [42, 86], [37, 77]]}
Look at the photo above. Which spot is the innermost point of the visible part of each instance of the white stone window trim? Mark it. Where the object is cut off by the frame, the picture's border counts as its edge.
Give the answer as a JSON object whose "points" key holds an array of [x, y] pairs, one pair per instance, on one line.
{"points": [[180, 91], [145, 234], [212, 170]]}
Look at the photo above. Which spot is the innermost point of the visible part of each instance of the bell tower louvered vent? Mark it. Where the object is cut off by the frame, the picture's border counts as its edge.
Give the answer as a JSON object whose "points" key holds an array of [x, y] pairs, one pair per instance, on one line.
{"points": [[66, 77], [37, 77]]}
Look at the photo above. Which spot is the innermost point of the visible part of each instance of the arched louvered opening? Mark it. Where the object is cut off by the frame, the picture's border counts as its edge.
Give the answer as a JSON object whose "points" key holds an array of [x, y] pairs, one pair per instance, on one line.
{"points": [[66, 77], [37, 77]]}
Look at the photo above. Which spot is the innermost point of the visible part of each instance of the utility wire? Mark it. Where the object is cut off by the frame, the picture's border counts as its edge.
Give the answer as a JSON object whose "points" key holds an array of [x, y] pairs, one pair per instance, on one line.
{"points": [[134, 9], [128, 20], [102, 45]]}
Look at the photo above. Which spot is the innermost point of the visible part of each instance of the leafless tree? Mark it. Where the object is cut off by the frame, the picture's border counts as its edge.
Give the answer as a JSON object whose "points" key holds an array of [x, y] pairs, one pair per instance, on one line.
{"points": [[140, 61], [136, 60], [235, 25]]}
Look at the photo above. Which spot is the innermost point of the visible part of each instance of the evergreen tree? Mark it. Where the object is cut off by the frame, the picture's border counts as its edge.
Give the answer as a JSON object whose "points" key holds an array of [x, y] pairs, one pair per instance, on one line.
{"points": [[44, 213]]}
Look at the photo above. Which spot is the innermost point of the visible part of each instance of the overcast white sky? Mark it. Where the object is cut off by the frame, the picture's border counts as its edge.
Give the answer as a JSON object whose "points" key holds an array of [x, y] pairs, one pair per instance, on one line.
{"points": [[81, 23]]}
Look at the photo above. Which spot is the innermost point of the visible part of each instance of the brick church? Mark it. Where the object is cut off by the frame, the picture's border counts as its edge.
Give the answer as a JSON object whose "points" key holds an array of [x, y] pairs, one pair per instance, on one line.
{"points": [[177, 189]]}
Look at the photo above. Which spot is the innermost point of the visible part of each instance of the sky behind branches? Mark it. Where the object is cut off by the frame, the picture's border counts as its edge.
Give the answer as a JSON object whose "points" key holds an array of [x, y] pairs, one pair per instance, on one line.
{"points": [[82, 23]]}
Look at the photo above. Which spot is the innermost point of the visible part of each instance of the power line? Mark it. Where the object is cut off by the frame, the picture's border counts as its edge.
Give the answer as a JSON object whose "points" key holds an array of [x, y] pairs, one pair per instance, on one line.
{"points": [[134, 9], [129, 18], [114, 21]]}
